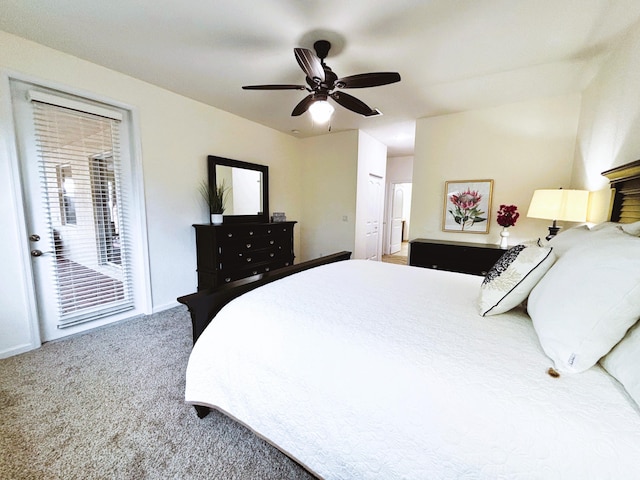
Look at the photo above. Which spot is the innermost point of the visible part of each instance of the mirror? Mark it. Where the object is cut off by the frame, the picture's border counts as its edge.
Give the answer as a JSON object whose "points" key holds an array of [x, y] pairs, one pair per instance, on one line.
{"points": [[248, 197]]}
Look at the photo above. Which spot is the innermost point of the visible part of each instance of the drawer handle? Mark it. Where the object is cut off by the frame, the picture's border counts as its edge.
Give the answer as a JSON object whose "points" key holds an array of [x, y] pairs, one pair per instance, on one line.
{"points": [[271, 242], [269, 231], [255, 272], [248, 259], [248, 245], [251, 232], [286, 264], [227, 279], [272, 255], [229, 235], [267, 269]]}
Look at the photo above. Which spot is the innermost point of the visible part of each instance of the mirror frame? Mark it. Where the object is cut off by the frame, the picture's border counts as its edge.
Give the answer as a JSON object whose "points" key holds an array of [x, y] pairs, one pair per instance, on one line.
{"points": [[263, 217]]}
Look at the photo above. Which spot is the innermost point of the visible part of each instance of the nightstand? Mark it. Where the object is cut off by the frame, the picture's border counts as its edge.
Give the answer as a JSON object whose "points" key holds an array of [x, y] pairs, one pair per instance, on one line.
{"points": [[463, 257]]}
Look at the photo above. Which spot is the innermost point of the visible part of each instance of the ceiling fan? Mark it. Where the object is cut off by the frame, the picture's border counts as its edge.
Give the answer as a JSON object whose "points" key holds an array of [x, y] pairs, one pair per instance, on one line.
{"points": [[322, 82]]}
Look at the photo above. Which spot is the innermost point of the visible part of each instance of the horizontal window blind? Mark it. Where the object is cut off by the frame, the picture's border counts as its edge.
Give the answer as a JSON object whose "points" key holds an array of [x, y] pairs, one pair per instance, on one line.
{"points": [[88, 211]]}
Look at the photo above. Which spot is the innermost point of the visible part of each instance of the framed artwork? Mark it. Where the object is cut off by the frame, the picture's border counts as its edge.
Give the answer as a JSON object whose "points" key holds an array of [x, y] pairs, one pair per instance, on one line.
{"points": [[467, 206]]}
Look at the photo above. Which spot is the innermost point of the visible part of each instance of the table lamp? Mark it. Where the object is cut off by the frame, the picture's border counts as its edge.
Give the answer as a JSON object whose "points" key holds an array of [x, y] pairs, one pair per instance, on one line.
{"points": [[559, 204]]}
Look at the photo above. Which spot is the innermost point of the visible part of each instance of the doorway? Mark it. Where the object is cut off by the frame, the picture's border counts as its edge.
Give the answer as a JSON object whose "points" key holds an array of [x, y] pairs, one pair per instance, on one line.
{"points": [[77, 182], [399, 218]]}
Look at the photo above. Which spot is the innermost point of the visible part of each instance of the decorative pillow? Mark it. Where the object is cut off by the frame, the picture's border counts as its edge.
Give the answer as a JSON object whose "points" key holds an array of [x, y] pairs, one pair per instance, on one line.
{"points": [[623, 362], [514, 275], [588, 300]]}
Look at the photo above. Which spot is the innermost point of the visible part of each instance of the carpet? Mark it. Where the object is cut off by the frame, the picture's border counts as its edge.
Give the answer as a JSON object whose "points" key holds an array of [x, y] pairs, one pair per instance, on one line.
{"points": [[109, 404]]}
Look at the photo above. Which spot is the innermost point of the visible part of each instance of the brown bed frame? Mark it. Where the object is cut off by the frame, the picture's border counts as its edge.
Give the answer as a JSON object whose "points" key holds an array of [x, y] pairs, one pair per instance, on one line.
{"points": [[625, 180]]}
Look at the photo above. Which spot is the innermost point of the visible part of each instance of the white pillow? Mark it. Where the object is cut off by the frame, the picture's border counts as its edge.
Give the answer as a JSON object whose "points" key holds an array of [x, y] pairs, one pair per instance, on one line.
{"points": [[566, 239], [582, 236], [623, 362], [514, 275], [586, 302], [631, 228]]}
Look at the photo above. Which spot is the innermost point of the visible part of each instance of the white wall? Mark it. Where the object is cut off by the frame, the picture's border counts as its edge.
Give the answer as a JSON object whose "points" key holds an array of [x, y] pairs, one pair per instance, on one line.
{"points": [[610, 117], [176, 136], [328, 190], [522, 147], [372, 159]]}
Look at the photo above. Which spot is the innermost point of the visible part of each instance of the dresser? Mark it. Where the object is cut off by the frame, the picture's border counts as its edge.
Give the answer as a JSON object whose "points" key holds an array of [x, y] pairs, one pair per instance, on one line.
{"points": [[473, 258], [233, 251]]}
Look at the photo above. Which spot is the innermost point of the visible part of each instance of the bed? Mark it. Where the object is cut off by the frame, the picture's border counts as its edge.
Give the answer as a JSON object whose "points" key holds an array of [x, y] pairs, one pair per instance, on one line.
{"points": [[367, 370]]}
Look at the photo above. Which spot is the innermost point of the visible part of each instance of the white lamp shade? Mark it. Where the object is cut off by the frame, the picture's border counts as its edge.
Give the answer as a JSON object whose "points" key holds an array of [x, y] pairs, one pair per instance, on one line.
{"points": [[566, 205], [321, 111]]}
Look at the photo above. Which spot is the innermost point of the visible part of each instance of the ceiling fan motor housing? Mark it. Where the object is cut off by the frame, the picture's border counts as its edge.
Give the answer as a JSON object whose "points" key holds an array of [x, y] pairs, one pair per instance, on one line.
{"points": [[322, 48]]}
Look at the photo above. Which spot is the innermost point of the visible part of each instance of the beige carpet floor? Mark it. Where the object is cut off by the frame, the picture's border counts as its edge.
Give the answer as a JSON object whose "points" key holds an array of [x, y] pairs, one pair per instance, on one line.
{"points": [[108, 404]]}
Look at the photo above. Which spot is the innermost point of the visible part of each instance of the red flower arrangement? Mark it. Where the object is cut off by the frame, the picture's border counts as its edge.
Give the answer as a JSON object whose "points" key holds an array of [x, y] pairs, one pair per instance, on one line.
{"points": [[507, 215]]}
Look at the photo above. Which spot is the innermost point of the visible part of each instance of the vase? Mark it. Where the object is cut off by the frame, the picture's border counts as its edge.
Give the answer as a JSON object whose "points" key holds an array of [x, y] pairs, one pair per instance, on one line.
{"points": [[504, 238], [216, 218]]}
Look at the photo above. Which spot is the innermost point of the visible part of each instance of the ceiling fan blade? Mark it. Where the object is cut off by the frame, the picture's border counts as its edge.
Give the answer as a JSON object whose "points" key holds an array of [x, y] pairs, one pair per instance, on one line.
{"points": [[364, 80], [303, 106], [310, 64], [274, 87], [352, 103]]}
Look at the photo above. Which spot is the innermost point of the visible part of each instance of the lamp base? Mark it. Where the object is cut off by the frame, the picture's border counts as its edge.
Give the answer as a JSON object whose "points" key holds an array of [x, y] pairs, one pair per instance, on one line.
{"points": [[553, 231]]}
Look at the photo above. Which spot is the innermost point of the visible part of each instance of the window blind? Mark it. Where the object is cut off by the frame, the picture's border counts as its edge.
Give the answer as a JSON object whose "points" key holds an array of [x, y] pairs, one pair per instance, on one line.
{"points": [[87, 207]]}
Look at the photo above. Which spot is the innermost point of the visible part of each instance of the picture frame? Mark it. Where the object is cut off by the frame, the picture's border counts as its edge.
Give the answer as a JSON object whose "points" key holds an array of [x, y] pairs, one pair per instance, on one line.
{"points": [[467, 206]]}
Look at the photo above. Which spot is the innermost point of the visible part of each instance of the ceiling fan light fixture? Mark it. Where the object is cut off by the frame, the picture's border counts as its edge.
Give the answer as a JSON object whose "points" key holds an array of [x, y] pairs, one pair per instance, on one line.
{"points": [[321, 111]]}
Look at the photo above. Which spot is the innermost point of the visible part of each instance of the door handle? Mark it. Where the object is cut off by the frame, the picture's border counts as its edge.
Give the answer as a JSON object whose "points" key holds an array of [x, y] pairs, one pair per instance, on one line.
{"points": [[38, 253]]}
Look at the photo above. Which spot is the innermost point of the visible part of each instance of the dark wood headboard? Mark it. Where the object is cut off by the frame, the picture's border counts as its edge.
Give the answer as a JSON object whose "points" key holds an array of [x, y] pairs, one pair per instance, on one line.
{"points": [[625, 180]]}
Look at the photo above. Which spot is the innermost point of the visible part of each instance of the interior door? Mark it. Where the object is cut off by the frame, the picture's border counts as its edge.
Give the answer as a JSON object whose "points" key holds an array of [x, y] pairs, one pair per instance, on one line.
{"points": [[397, 208], [374, 207]]}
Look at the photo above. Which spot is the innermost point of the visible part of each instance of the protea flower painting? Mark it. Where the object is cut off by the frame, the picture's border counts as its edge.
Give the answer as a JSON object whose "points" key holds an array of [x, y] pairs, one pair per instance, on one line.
{"points": [[467, 206]]}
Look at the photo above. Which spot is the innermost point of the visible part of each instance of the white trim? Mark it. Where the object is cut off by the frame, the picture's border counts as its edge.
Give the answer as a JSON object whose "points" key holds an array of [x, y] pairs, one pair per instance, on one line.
{"points": [[42, 97], [10, 147], [166, 306], [18, 349]]}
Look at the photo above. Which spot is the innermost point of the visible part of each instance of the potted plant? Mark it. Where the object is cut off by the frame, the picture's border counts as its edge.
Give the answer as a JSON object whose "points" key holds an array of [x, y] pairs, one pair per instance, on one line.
{"points": [[216, 197]]}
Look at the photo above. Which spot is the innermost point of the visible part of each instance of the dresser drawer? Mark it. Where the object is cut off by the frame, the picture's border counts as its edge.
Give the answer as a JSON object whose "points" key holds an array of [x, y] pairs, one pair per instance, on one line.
{"points": [[475, 259], [248, 233], [248, 246], [226, 276], [238, 259]]}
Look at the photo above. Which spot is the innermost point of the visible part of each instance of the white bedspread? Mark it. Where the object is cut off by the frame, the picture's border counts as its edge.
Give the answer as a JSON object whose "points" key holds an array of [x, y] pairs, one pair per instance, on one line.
{"points": [[366, 370]]}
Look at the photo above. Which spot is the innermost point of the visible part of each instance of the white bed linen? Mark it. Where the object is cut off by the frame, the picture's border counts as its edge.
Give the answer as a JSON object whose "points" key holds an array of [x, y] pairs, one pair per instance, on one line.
{"points": [[365, 370]]}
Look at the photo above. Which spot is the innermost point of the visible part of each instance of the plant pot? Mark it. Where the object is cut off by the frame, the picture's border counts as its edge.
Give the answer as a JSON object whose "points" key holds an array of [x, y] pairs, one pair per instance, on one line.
{"points": [[216, 218]]}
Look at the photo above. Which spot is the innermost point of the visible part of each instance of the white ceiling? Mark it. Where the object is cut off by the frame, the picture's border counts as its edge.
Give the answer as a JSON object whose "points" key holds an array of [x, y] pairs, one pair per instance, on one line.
{"points": [[453, 55]]}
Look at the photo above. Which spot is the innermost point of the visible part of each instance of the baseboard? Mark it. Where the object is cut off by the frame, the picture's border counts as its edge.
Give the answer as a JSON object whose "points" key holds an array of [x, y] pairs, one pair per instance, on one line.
{"points": [[166, 306], [18, 350]]}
